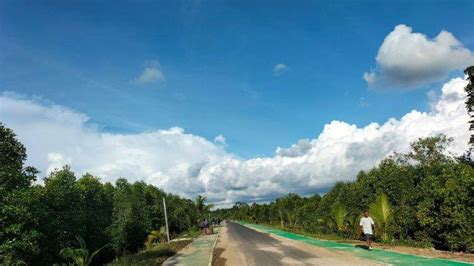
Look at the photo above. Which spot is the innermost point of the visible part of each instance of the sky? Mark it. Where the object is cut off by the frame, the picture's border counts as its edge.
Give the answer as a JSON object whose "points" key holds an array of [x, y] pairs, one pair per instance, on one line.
{"points": [[235, 100]]}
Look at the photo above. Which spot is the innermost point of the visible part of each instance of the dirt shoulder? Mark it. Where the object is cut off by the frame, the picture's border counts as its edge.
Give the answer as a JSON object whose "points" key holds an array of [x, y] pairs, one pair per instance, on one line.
{"points": [[226, 252], [432, 253]]}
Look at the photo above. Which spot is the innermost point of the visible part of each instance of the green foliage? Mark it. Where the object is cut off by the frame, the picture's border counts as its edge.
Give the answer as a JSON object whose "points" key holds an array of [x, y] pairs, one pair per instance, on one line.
{"points": [[424, 197], [339, 214], [155, 236], [153, 256], [469, 71], [38, 223], [202, 208], [380, 211], [13, 174], [131, 216], [19, 236], [80, 256]]}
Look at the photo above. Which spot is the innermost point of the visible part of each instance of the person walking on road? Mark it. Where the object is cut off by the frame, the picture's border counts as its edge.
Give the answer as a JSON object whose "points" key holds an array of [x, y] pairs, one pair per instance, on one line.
{"points": [[367, 226]]}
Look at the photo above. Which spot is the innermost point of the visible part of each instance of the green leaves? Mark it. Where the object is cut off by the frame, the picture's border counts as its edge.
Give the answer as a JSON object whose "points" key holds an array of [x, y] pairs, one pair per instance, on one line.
{"points": [[155, 236], [424, 195], [13, 175], [339, 214], [381, 212], [202, 208], [38, 224], [80, 255], [469, 71], [380, 209]]}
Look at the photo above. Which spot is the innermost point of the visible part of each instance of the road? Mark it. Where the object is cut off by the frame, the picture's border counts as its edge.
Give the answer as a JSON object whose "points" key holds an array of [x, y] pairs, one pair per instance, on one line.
{"points": [[239, 245]]}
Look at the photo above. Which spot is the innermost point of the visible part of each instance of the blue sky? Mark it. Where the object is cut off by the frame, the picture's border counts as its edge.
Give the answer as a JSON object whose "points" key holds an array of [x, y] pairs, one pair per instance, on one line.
{"points": [[218, 59], [301, 92]]}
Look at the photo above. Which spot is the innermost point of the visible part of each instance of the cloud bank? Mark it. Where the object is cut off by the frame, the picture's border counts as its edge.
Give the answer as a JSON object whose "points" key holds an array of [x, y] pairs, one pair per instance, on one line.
{"points": [[187, 164], [408, 59]]}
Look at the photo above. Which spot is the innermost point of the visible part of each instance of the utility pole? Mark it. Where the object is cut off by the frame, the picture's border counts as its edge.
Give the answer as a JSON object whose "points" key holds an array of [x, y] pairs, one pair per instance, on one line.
{"points": [[166, 221]]}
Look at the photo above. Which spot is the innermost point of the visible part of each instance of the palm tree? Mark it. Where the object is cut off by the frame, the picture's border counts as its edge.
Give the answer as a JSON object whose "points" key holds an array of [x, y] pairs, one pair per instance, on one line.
{"points": [[155, 235], [201, 207], [353, 224], [339, 214], [380, 210], [80, 255]]}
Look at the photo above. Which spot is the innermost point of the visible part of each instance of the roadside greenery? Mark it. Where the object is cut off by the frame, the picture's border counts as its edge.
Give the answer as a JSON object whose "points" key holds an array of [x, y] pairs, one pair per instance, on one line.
{"points": [[426, 196], [53, 222]]}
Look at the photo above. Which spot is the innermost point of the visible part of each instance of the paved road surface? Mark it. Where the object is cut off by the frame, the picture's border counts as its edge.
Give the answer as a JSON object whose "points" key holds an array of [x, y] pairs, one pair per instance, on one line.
{"points": [[239, 245]]}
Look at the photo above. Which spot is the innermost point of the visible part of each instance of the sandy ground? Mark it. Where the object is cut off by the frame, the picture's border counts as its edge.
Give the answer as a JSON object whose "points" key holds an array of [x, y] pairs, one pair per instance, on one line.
{"points": [[238, 245]]}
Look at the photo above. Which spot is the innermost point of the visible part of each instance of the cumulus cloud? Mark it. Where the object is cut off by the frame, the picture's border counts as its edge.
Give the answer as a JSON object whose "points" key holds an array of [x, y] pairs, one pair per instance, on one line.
{"points": [[280, 69], [151, 74], [187, 164], [408, 59]]}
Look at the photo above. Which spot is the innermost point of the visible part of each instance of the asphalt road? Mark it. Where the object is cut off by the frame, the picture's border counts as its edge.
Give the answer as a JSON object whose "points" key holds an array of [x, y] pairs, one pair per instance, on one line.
{"points": [[264, 249], [240, 245]]}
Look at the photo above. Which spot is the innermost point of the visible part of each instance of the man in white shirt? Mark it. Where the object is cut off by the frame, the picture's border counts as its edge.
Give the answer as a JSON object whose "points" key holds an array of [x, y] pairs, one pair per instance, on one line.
{"points": [[367, 226]]}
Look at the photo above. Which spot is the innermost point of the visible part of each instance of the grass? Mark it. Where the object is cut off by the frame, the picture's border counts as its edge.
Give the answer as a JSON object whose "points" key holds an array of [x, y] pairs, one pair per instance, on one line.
{"points": [[154, 256], [191, 233]]}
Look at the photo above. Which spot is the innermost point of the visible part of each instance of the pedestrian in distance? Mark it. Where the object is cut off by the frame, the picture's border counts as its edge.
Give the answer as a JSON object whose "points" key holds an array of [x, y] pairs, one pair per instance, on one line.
{"points": [[206, 227], [367, 226], [202, 226]]}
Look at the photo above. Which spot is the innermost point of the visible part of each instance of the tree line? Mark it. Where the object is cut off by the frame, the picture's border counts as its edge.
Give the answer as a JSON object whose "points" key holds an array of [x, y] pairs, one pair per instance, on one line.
{"points": [[44, 224], [424, 196]]}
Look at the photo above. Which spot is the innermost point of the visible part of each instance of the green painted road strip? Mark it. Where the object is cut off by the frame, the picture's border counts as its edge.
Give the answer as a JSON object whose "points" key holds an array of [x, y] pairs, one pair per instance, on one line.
{"points": [[378, 255], [198, 253]]}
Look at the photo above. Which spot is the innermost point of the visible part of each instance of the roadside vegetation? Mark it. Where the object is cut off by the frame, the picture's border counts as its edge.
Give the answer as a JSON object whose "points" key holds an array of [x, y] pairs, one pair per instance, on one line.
{"points": [[152, 256], [82, 220], [424, 197]]}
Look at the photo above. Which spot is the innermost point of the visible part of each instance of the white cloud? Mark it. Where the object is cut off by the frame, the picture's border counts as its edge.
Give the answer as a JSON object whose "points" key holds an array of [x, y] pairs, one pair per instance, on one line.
{"points": [[220, 140], [56, 161], [150, 75], [188, 164], [407, 59], [280, 69]]}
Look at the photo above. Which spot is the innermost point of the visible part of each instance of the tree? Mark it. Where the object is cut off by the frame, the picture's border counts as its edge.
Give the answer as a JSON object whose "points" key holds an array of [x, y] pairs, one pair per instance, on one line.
{"points": [[60, 219], [19, 234], [430, 150], [469, 71], [201, 206], [445, 208], [155, 236], [131, 216], [339, 214], [18, 225], [38, 223], [13, 175], [96, 211]]}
